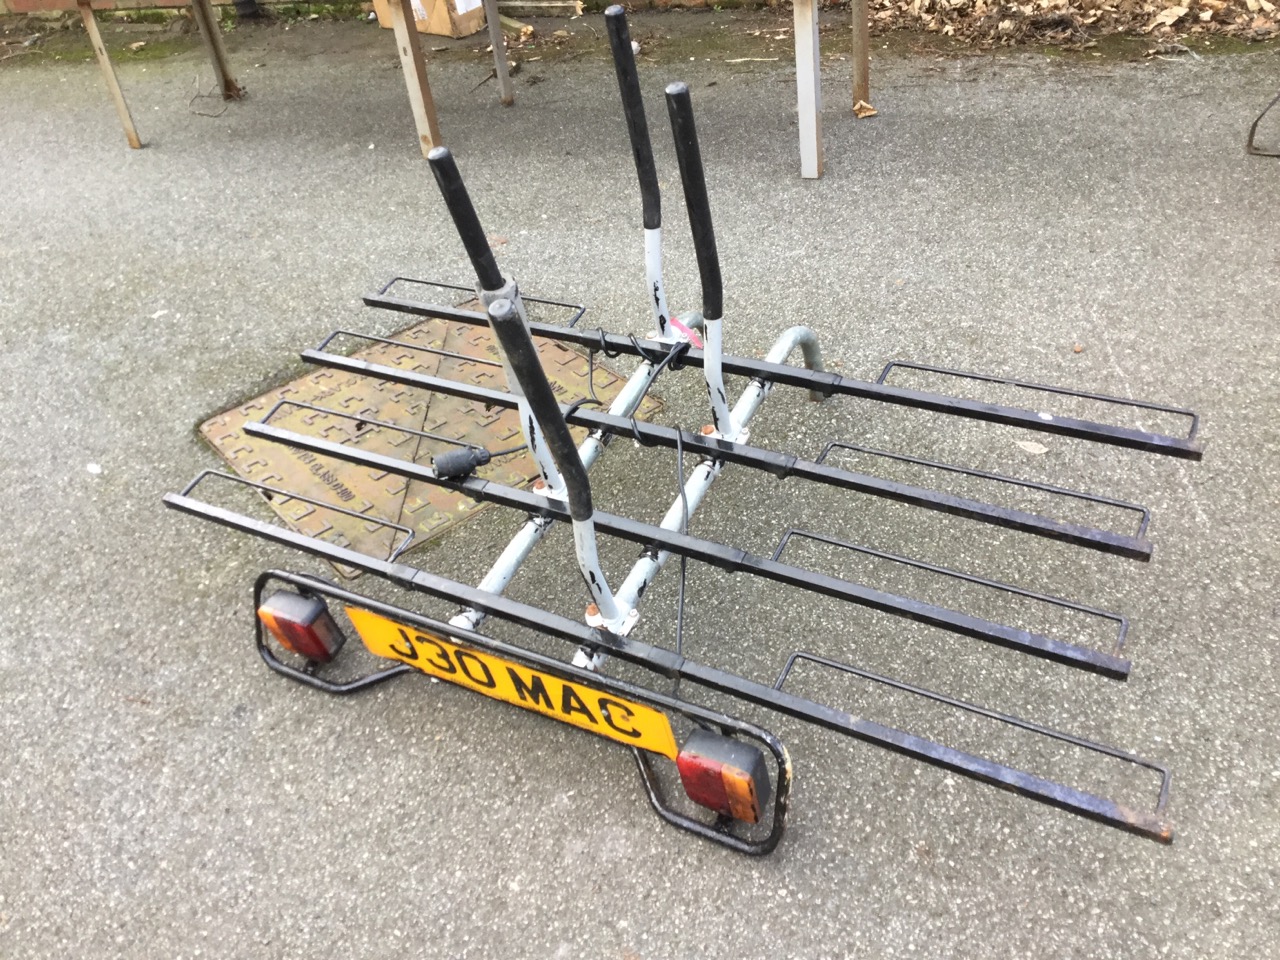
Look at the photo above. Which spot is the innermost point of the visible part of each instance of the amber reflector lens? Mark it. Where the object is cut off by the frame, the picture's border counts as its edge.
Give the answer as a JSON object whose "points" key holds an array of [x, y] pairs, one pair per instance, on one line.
{"points": [[303, 625]]}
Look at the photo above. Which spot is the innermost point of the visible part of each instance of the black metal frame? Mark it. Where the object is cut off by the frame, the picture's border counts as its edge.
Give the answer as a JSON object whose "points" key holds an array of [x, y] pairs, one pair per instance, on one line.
{"points": [[1193, 429], [780, 465], [667, 664], [1142, 549], [1121, 622], [731, 559], [578, 309], [1165, 776], [830, 384]]}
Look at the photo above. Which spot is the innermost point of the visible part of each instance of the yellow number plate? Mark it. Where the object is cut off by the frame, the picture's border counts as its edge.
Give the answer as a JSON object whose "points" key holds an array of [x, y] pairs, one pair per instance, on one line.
{"points": [[602, 713]]}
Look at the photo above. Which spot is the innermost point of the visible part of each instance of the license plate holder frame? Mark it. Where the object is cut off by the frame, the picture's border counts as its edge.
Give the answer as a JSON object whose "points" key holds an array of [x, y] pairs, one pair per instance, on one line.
{"points": [[760, 841]]}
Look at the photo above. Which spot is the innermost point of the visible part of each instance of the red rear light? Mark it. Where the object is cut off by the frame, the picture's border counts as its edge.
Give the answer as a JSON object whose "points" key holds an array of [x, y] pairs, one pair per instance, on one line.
{"points": [[725, 775], [303, 625]]}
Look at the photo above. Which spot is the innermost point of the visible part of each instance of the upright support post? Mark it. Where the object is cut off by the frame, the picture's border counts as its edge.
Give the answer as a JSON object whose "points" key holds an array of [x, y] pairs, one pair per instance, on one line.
{"points": [[491, 286], [109, 74], [809, 88], [693, 178], [211, 33], [624, 64], [512, 334], [506, 93], [543, 424], [861, 52], [415, 74]]}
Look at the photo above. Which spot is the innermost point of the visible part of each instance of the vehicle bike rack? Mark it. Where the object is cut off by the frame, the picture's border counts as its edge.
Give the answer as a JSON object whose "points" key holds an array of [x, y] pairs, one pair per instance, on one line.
{"points": [[457, 649]]}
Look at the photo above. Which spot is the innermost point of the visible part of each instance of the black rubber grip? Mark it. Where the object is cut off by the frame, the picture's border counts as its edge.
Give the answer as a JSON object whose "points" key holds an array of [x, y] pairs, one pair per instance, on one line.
{"points": [[680, 106], [513, 337], [624, 62], [464, 216]]}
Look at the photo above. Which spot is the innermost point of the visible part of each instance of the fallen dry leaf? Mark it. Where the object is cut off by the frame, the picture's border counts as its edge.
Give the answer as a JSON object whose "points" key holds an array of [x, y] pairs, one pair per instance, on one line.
{"points": [[862, 110], [1032, 447], [1167, 18]]}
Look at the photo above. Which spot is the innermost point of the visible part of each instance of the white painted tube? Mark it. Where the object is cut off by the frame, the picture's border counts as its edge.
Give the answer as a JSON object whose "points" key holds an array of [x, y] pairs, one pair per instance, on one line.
{"points": [[584, 546], [504, 569], [713, 372], [653, 275], [699, 482]]}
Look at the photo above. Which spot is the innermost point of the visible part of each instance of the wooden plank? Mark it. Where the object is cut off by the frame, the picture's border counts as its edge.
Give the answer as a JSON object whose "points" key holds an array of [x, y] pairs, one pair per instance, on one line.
{"points": [[506, 93], [415, 74], [109, 74], [808, 88], [861, 51], [511, 25], [540, 8], [211, 33]]}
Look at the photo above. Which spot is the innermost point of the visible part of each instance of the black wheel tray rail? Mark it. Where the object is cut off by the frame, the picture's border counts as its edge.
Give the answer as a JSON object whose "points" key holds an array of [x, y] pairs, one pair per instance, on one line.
{"points": [[778, 464], [1120, 622], [732, 559], [827, 383], [1141, 548], [668, 664]]}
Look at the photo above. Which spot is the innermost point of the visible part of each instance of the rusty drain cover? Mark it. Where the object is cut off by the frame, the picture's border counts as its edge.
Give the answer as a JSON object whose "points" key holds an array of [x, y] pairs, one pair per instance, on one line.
{"points": [[427, 510]]}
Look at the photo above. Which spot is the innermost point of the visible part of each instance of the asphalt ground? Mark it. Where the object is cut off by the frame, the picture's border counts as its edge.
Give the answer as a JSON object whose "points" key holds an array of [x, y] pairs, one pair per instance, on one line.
{"points": [[164, 795]]}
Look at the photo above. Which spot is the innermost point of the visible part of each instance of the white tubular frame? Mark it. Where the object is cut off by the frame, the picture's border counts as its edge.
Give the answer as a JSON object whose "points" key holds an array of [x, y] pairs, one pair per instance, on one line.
{"points": [[722, 419], [530, 535], [653, 274], [703, 476], [699, 483], [627, 597]]}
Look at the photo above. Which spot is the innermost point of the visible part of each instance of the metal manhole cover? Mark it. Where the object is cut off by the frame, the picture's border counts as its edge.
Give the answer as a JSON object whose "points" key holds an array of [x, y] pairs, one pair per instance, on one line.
{"points": [[427, 510]]}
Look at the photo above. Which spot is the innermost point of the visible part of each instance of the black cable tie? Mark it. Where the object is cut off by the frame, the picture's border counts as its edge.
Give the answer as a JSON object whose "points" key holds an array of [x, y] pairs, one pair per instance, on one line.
{"points": [[579, 404], [604, 345]]}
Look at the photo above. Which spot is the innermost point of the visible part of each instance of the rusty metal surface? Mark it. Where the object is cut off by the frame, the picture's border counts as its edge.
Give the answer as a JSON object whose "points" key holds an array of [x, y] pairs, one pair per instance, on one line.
{"points": [[428, 511]]}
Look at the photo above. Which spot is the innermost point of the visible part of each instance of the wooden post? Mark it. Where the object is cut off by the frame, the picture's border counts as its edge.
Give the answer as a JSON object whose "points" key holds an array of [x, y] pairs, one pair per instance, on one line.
{"points": [[211, 33], [506, 93], [415, 74], [809, 88], [861, 52], [109, 74]]}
